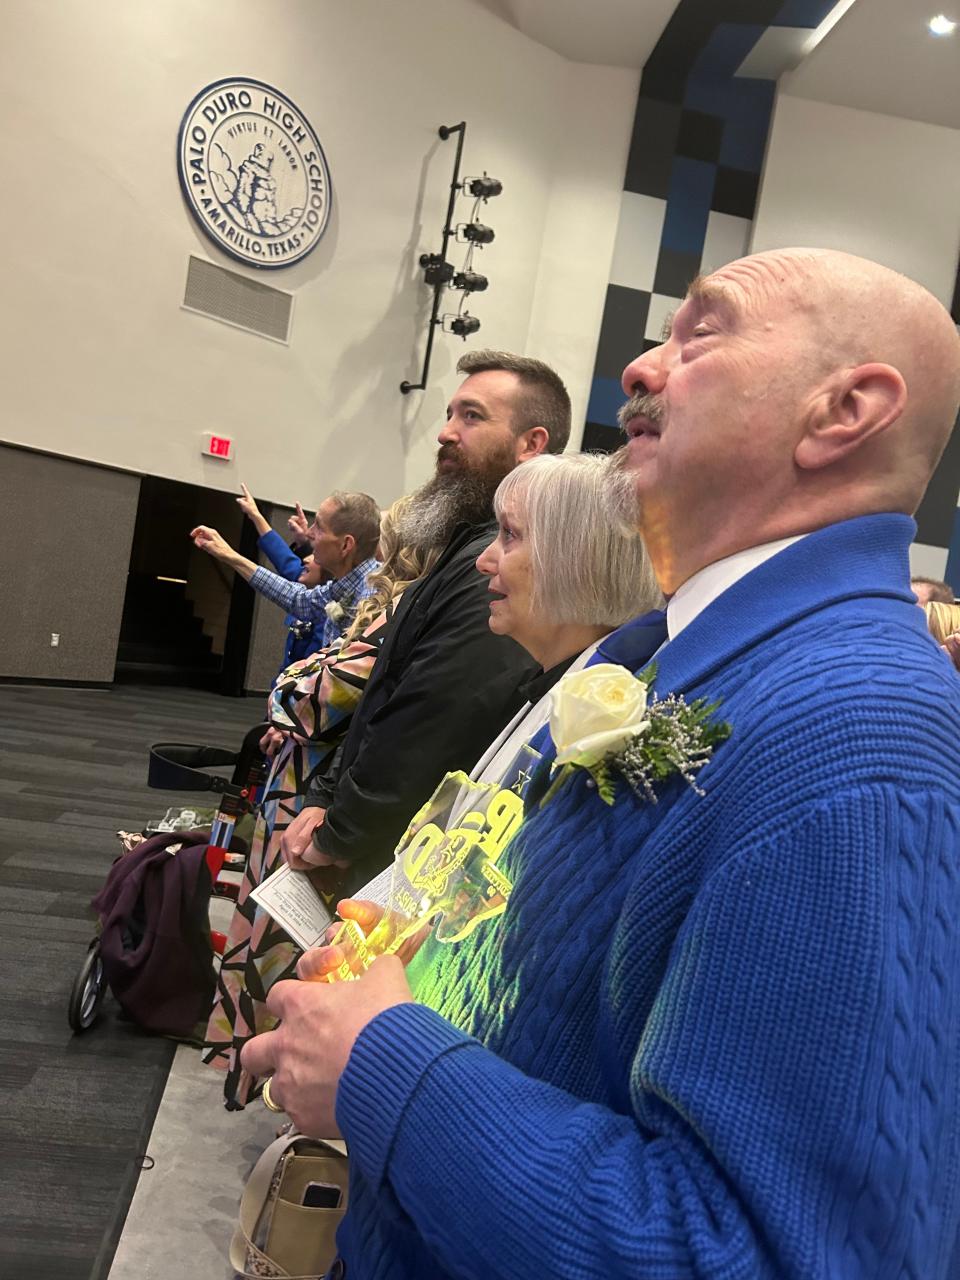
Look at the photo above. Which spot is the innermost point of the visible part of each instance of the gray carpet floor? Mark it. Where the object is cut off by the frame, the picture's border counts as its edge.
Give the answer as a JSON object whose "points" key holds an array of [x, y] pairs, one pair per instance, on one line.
{"points": [[76, 1112]]}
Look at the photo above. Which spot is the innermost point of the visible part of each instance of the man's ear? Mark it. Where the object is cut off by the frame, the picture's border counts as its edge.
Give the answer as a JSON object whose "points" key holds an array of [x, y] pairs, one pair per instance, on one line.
{"points": [[531, 443], [858, 405], [348, 545]]}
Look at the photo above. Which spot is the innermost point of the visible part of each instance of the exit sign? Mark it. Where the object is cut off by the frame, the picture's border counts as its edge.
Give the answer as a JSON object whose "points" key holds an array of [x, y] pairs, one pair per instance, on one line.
{"points": [[218, 447]]}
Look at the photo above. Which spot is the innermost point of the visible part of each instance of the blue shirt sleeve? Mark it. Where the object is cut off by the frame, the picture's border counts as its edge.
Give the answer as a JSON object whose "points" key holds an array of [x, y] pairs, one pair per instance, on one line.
{"points": [[308, 603], [286, 562]]}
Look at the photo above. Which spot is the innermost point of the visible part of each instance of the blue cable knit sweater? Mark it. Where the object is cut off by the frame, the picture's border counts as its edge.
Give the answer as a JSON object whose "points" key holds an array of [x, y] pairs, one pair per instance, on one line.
{"points": [[719, 1036]]}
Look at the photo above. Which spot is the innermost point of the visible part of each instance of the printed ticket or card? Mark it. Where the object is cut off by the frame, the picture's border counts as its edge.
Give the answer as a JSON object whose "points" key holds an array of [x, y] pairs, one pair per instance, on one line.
{"points": [[444, 873], [290, 898], [183, 820]]}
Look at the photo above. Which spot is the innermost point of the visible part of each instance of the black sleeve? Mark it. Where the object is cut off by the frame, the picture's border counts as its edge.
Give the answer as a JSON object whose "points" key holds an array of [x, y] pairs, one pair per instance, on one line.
{"points": [[322, 788], [459, 685]]}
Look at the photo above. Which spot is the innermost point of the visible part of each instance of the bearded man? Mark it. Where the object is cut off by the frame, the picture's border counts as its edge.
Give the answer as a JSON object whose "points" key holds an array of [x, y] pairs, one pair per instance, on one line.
{"points": [[716, 1031], [443, 684]]}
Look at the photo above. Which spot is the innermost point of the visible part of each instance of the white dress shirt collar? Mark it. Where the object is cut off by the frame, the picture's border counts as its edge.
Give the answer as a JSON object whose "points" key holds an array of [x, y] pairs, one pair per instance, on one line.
{"points": [[706, 584]]}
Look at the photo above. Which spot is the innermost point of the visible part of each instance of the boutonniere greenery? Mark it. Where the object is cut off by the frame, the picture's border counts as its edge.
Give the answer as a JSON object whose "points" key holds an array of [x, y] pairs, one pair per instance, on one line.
{"points": [[604, 720]]}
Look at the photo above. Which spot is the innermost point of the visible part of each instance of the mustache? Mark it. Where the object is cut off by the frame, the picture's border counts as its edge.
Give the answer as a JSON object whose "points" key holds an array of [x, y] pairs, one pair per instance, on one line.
{"points": [[640, 405], [449, 452]]}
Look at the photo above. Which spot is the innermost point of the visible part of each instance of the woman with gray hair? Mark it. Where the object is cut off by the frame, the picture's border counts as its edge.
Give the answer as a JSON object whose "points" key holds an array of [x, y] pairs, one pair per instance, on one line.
{"points": [[562, 575]]}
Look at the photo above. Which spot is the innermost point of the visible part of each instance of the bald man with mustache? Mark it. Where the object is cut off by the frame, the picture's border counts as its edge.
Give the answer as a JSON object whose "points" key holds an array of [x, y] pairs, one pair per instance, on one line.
{"points": [[715, 1036]]}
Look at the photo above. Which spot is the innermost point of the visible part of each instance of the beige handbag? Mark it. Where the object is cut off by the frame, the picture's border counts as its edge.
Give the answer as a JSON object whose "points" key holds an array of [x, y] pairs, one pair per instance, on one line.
{"points": [[286, 1229]]}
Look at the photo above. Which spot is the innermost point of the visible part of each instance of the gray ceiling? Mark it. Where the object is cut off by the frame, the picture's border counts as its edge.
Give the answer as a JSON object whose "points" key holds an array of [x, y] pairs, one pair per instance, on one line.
{"points": [[614, 33], [878, 57], [881, 57]]}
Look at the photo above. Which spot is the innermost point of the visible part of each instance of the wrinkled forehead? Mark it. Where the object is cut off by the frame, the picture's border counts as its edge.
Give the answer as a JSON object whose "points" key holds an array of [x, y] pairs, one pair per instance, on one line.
{"points": [[761, 284]]}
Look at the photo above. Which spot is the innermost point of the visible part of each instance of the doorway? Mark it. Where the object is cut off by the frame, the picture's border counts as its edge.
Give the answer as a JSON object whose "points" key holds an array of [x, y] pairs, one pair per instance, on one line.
{"points": [[186, 617]]}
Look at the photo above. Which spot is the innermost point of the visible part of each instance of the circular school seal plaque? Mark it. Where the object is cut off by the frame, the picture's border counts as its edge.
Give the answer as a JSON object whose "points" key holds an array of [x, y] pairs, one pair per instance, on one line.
{"points": [[253, 173]]}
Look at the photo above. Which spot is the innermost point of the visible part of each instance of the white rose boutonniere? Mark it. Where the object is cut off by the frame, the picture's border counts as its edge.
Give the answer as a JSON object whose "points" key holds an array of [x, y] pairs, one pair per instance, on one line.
{"points": [[334, 610], [595, 712], [604, 720]]}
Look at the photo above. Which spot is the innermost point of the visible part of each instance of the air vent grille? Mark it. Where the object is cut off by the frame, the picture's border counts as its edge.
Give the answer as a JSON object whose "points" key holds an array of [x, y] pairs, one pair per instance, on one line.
{"points": [[235, 299]]}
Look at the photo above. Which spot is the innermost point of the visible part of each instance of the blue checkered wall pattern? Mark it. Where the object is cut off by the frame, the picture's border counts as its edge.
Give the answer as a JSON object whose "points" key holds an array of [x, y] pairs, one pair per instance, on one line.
{"points": [[693, 171], [688, 203]]}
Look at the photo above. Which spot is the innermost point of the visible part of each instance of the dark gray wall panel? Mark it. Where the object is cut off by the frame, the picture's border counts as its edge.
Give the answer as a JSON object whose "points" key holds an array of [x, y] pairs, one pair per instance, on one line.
{"points": [[64, 551]]}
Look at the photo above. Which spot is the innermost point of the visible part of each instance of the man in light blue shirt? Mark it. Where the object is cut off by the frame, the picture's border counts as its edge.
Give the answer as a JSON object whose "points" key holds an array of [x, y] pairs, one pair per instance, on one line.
{"points": [[344, 536]]}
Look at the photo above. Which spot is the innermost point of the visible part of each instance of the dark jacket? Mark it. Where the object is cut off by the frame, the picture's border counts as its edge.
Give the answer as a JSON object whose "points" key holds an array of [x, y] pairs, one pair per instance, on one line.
{"points": [[442, 688]]}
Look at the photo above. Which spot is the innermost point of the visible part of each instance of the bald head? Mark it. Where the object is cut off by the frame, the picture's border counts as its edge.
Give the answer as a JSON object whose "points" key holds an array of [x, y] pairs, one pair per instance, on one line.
{"points": [[872, 335], [796, 388]]}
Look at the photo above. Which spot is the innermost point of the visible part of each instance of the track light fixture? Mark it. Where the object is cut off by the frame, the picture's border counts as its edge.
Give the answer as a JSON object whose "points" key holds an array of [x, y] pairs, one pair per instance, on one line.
{"points": [[470, 281], [461, 325], [440, 274], [435, 270], [484, 188], [474, 233]]}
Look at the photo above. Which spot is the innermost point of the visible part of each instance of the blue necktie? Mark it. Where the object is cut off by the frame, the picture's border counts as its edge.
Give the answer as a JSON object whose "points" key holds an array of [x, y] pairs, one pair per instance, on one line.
{"points": [[631, 646]]}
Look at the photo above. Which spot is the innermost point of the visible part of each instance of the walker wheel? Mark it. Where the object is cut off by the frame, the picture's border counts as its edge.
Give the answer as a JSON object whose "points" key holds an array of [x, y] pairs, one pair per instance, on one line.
{"points": [[88, 991]]}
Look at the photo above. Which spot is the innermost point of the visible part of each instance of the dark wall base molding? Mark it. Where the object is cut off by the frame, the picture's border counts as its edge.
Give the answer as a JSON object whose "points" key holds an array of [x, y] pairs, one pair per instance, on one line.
{"points": [[44, 682]]}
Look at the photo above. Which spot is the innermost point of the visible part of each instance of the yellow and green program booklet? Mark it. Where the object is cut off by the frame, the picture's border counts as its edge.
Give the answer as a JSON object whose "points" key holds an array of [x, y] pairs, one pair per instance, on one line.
{"points": [[444, 870]]}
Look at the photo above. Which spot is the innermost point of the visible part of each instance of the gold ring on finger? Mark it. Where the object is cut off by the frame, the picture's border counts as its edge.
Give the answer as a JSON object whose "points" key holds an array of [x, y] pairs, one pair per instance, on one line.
{"points": [[268, 1101]]}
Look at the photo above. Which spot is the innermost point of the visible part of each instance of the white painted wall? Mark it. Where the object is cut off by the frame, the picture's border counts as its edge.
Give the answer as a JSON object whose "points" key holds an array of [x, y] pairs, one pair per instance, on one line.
{"points": [[581, 226], [875, 185], [102, 364]]}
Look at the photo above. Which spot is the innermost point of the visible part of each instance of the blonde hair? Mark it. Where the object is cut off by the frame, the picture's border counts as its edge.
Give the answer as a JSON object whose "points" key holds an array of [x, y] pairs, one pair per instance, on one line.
{"points": [[400, 565], [586, 568], [943, 620]]}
